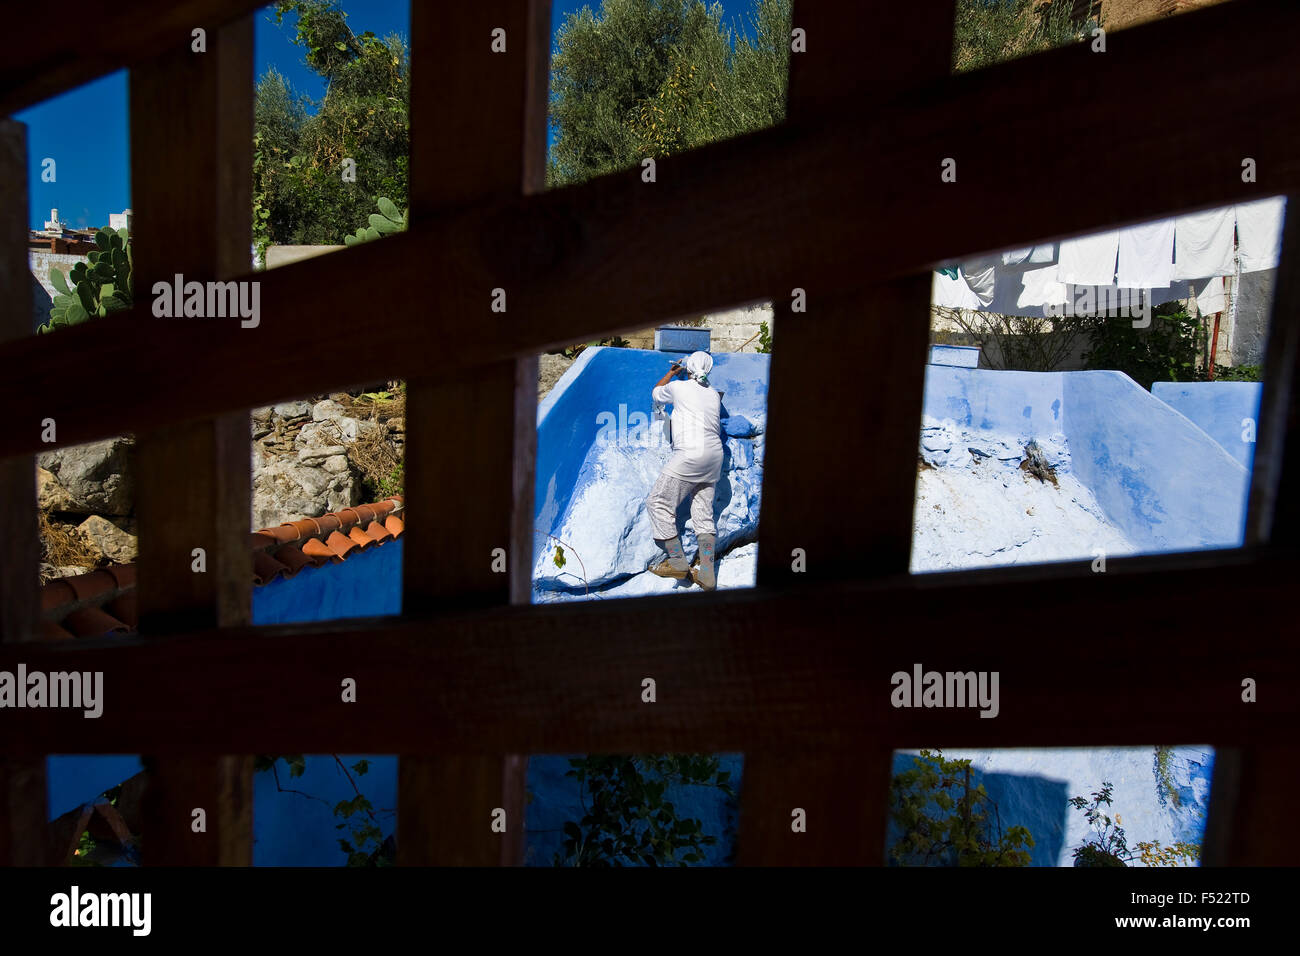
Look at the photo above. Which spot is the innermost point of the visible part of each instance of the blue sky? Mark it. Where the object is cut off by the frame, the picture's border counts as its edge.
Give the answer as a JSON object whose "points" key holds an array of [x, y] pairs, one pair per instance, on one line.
{"points": [[85, 130]]}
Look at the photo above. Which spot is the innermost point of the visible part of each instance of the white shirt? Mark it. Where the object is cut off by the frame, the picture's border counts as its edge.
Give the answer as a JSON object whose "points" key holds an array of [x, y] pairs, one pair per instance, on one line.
{"points": [[697, 430]]}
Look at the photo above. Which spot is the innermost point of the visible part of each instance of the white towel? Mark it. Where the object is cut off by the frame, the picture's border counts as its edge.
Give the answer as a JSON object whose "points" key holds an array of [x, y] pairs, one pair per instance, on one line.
{"points": [[1259, 233], [952, 293], [1146, 255], [1089, 260], [1042, 288], [1211, 299], [1203, 243]]}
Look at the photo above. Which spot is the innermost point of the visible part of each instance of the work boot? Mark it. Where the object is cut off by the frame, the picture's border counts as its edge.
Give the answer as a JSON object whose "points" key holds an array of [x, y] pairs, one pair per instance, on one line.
{"points": [[704, 573], [673, 566]]}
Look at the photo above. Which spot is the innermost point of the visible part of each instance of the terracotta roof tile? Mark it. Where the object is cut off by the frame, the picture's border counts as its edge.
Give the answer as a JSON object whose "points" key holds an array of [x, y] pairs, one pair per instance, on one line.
{"points": [[104, 601]]}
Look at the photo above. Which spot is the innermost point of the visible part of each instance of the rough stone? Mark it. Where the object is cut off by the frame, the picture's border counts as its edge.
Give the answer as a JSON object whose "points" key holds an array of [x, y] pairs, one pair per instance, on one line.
{"points": [[50, 495], [262, 414], [96, 477], [292, 409], [336, 465], [109, 540]]}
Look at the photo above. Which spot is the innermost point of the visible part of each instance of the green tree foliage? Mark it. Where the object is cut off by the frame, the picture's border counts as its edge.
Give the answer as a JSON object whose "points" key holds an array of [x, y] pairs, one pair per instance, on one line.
{"points": [[655, 77], [1166, 351], [629, 820], [946, 822], [991, 31], [103, 285], [300, 196]]}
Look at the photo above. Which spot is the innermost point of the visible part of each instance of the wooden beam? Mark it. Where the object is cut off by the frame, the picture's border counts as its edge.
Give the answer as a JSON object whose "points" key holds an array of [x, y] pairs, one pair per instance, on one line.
{"points": [[587, 261], [181, 785], [791, 669], [814, 808]]}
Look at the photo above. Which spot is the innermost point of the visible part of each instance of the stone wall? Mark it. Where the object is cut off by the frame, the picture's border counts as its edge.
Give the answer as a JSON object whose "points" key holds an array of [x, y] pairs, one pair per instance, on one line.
{"points": [[40, 262]]}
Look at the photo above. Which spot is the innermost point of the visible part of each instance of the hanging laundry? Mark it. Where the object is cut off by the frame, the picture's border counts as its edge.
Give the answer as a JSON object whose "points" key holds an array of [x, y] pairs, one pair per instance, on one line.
{"points": [[1203, 243], [1042, 288], [1089, 260], [981, 275], [1259, 233], [1146, 255], [1041, 253], [951, 291], [1212, 299]]}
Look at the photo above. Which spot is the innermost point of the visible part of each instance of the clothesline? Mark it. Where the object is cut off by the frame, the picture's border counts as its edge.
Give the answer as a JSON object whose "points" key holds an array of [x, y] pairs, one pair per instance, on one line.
{"points": [[1161, 258]]}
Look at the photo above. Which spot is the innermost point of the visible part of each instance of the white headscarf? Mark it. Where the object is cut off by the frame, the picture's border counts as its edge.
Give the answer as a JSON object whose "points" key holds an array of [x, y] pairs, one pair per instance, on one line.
{"points": [[698, 366]]}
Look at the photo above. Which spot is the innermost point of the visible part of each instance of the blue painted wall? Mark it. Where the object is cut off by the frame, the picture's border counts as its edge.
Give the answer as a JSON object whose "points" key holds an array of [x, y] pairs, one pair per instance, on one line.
{"points": [[555, 798], [602, 380], [368, 584], [1226, 411], [1165, 483], [71, 780], [290, 829]]}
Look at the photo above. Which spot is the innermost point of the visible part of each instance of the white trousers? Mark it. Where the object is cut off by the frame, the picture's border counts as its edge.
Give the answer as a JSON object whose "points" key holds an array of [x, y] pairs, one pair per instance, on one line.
{"points": [[667, 495]]}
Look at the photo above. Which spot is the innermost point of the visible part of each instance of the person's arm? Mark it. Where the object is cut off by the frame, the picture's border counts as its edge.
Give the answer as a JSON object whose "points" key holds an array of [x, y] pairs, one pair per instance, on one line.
{"points": [[669, 375]]}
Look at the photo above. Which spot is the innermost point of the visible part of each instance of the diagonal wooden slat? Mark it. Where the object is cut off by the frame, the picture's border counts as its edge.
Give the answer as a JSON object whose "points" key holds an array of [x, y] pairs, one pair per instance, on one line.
{"points": [[471, 440], [53, 59], [191, 130], [857, 194], [765, 669]]}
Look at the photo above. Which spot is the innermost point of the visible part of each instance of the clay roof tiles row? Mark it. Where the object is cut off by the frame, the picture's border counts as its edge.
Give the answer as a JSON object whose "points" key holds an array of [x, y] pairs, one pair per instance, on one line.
{"points": [[103, 601]]}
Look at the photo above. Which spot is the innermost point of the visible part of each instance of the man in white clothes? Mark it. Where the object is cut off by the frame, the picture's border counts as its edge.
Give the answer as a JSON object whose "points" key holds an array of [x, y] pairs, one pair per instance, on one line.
{"points": [[692, 471]]}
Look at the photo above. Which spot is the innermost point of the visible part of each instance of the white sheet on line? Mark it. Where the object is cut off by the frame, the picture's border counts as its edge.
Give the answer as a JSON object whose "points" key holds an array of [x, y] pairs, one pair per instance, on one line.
{"points": [[1212, 299], [1042, 287], [1259, 233], [1089, 260], [1042, 253], [1203, 243], [953, 293], [1146, 255], [981, 276]]}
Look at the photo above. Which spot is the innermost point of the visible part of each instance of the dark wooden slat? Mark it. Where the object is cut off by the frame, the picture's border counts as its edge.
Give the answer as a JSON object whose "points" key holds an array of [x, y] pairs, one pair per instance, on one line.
{"points": [[471, 440], [843, 796], [587, 261], [23, 830], [191, 130], [192, 169], [817, 366], [446, 809], [22, 780], [765, 669], [1248, 824], [53, 59], [178, 785], [1274, 515], [19, 542], [861, 359]]}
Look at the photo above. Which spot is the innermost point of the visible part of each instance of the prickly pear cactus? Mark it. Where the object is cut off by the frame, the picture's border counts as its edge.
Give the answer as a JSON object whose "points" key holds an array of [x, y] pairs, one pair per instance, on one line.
{"points": [[98, 287], [387, 221]]}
